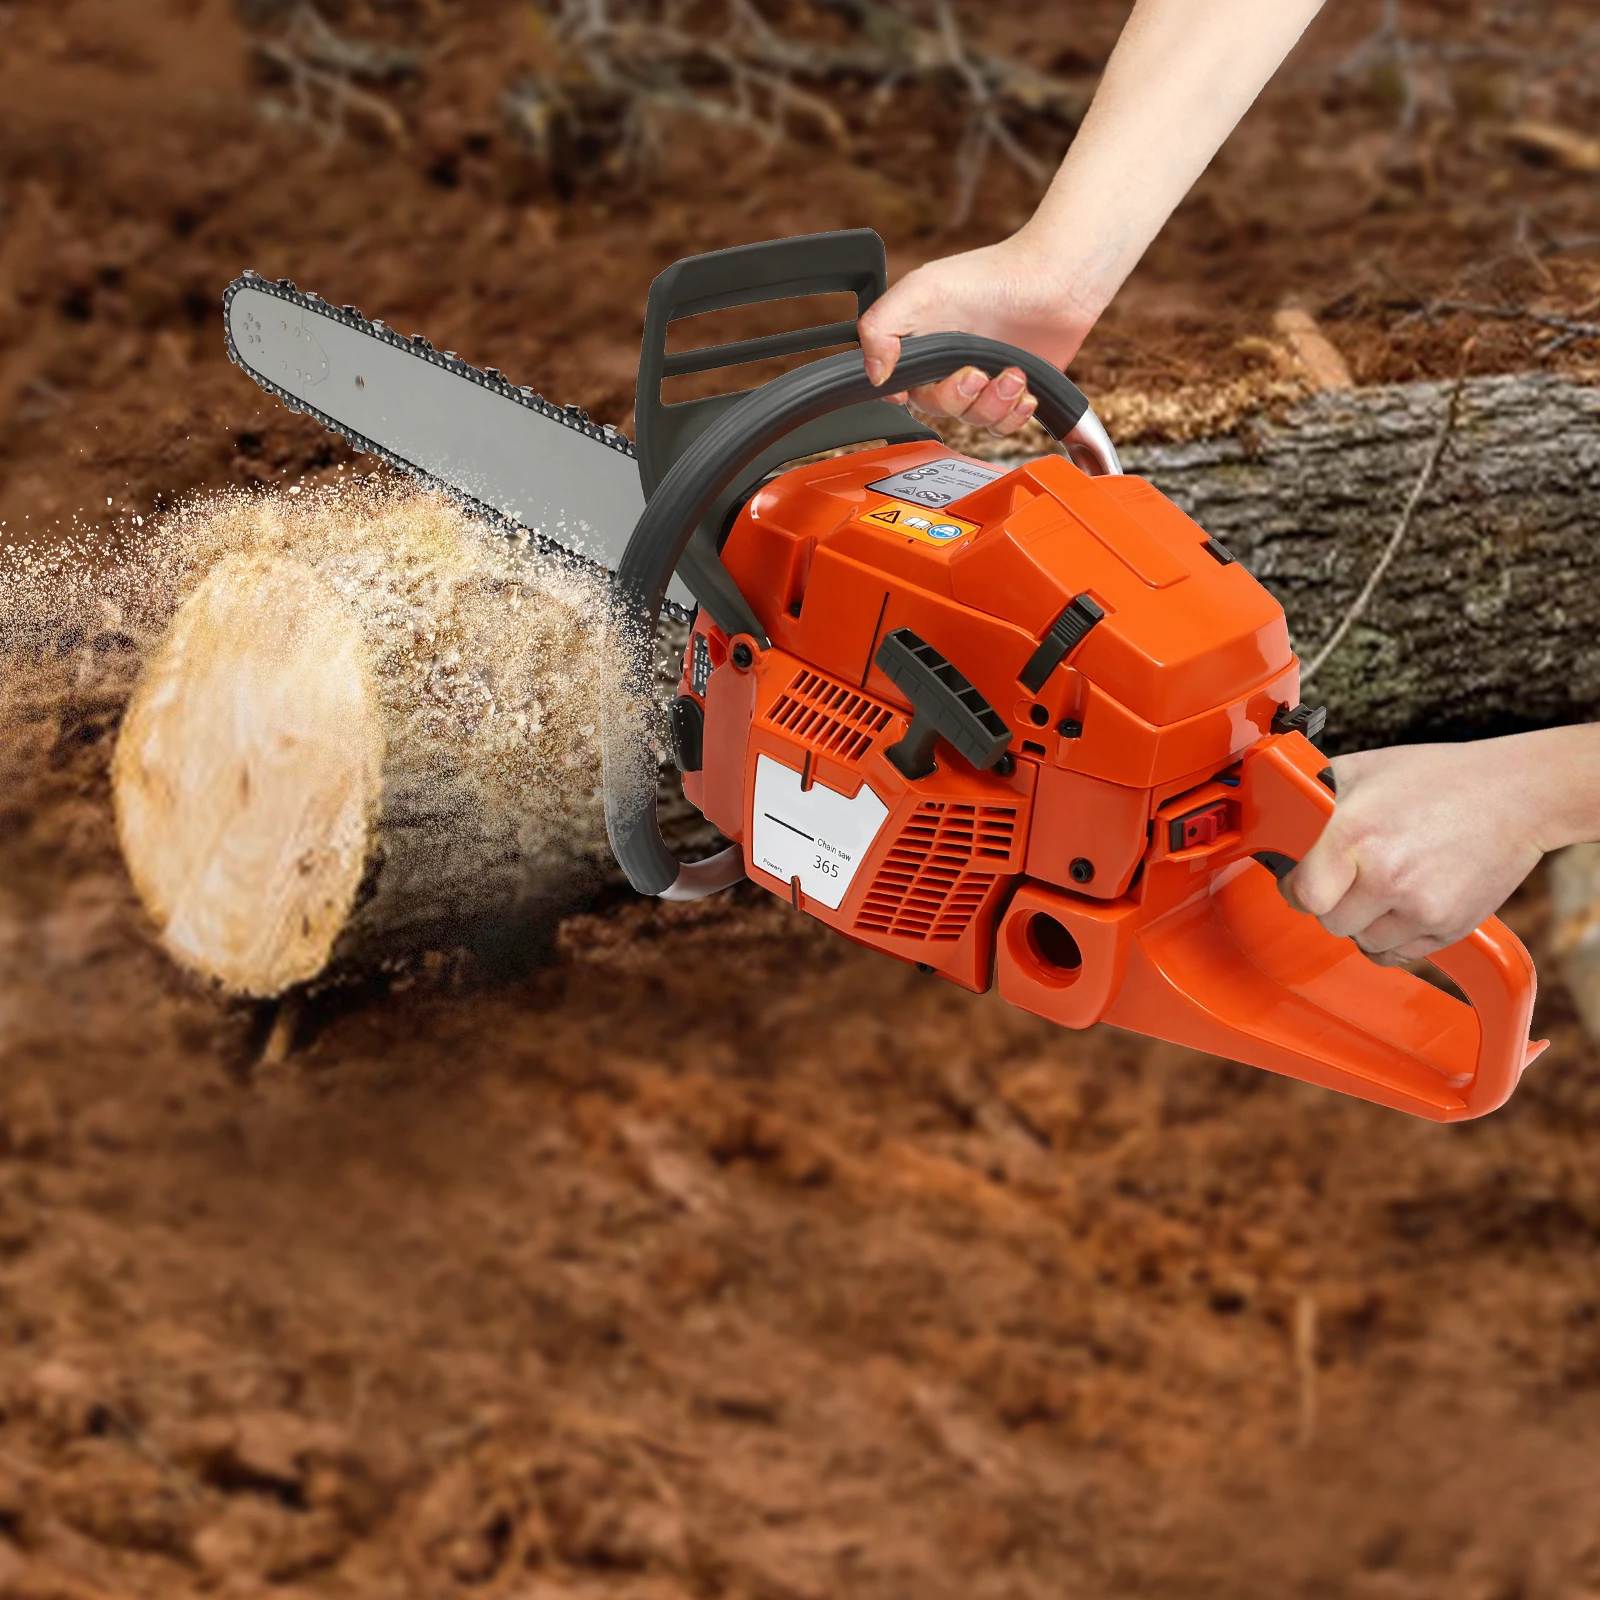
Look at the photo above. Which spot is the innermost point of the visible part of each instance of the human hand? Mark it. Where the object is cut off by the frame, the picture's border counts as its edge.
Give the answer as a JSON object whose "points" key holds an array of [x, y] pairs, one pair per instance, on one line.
{"points": [[1177, 82], [1004, 291], [1426, 842]]}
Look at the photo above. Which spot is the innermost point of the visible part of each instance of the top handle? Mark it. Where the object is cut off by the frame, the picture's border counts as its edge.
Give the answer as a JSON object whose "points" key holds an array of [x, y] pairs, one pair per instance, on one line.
{"points": [[851, 262]]}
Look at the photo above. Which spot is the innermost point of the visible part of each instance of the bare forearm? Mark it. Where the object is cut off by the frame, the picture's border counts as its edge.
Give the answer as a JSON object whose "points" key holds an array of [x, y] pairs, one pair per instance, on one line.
{"points": [[1563, 773], [1181, 76]]}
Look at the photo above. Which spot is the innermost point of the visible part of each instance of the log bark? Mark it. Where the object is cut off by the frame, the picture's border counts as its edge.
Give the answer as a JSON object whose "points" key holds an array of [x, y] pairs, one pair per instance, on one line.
{"points": [[369, 731], [1488, 618]]}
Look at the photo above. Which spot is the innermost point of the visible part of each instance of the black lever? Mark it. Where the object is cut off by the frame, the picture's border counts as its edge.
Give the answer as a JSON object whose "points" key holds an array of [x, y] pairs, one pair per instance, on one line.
{"points": [[943, 704], [851, 262]]}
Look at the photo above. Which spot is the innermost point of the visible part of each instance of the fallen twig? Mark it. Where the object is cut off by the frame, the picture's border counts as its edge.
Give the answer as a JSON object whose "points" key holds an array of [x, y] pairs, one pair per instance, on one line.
{"points": [[320, 46], [1441, 440], [985, 129], [1569, 328], [1389, 45]]}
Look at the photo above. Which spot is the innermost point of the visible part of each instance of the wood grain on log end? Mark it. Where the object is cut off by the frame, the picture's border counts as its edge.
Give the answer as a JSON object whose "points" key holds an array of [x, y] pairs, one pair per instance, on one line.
{"points": [[248, 775], [370, 729]]}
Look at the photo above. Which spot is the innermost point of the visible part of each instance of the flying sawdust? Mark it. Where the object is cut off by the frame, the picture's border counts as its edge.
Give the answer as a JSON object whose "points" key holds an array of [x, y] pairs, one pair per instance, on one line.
{"points": [[361, 723]]}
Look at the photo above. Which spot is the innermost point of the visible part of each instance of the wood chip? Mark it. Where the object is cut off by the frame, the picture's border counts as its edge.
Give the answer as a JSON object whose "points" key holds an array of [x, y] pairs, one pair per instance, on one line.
{"points": [[1317, 357], [1560, 147]]}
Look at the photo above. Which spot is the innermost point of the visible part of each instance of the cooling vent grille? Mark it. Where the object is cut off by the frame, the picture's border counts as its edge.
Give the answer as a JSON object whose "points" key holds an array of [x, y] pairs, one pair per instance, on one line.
{"points": [[834, 720], [933, 882]]}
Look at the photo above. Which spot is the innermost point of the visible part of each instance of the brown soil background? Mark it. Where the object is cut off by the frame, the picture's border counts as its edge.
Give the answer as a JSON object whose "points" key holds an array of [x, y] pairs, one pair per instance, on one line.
{"points": [[718, 1257]]}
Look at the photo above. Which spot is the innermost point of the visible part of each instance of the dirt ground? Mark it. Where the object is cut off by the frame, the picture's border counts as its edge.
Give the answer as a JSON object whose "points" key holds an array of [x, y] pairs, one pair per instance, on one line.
{"points": [[718, 1257]]}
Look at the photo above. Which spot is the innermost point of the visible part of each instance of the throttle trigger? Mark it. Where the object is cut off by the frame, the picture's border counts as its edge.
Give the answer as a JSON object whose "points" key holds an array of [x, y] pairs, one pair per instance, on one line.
{"points": [[1278, 864]]}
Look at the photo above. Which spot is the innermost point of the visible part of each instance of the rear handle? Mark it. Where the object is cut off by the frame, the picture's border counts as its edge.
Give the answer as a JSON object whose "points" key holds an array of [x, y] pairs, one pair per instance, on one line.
{"points": [[1288, 797]]}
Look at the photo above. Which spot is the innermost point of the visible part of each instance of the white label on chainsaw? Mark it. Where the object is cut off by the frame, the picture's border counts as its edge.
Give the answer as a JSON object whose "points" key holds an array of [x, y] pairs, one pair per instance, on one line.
{"points": [[815, 834], [937, 483]]}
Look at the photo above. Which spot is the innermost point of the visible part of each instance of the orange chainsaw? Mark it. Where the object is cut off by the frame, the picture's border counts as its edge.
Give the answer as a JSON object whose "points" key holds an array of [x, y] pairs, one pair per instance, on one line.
{"points": [[1029, 727]]}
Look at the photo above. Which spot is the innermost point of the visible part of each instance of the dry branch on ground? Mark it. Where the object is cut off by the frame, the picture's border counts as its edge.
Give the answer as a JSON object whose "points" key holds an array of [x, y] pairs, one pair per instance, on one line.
{"points": [[1424, 74], [1565, 330], [622, 68], [325, 72]]}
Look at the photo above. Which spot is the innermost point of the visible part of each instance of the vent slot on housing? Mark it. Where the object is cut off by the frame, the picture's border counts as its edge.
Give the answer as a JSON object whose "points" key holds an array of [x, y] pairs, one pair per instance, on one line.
{"points": [[832, 718], [935, 879]]}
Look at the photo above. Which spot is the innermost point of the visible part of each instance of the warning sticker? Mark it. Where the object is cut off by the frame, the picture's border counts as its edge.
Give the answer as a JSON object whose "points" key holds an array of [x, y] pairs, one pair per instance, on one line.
{"points": [[917, 522], [937, 483]]}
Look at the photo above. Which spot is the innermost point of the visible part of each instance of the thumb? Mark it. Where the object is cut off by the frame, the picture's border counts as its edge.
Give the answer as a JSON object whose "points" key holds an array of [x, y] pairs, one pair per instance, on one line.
{"points": [[1324, 875], [882, 352], [885, 322]]}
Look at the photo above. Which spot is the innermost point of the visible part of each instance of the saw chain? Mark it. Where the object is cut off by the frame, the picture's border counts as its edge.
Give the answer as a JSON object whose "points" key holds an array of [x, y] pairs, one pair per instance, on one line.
{"points": [[490, 378]]}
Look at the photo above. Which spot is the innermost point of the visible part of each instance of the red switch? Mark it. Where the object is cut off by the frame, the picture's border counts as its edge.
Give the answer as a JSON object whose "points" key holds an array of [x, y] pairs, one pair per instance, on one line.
{"points": [[1204, 826]]}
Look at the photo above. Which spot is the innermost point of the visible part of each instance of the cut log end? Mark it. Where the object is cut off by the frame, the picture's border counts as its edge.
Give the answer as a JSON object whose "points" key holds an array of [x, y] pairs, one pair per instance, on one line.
{"points": [[248, 775], [370, 729]]}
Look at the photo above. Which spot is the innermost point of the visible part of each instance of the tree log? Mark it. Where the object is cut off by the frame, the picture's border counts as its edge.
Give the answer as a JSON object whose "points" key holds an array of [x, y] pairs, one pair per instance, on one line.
{"points": [[441, 696], [1488, 618], [370, 730]]}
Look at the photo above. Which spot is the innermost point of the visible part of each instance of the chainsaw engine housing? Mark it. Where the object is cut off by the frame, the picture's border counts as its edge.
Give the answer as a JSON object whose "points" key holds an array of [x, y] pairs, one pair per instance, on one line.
{"points": [[1182, 670], [1035, 728]]}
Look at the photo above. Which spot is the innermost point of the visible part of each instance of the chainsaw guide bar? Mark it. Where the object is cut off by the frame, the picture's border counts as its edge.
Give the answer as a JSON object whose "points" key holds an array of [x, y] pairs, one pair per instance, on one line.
{"points": [[603, 467]]}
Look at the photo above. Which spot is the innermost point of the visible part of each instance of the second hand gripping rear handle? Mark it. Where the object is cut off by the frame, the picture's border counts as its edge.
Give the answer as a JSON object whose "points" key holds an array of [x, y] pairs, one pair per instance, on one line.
{"points": [[1287, 803]]}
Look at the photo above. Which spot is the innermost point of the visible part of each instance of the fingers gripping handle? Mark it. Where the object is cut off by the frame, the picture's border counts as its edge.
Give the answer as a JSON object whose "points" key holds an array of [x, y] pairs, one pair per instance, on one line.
{"points": [[1287, 800]]}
